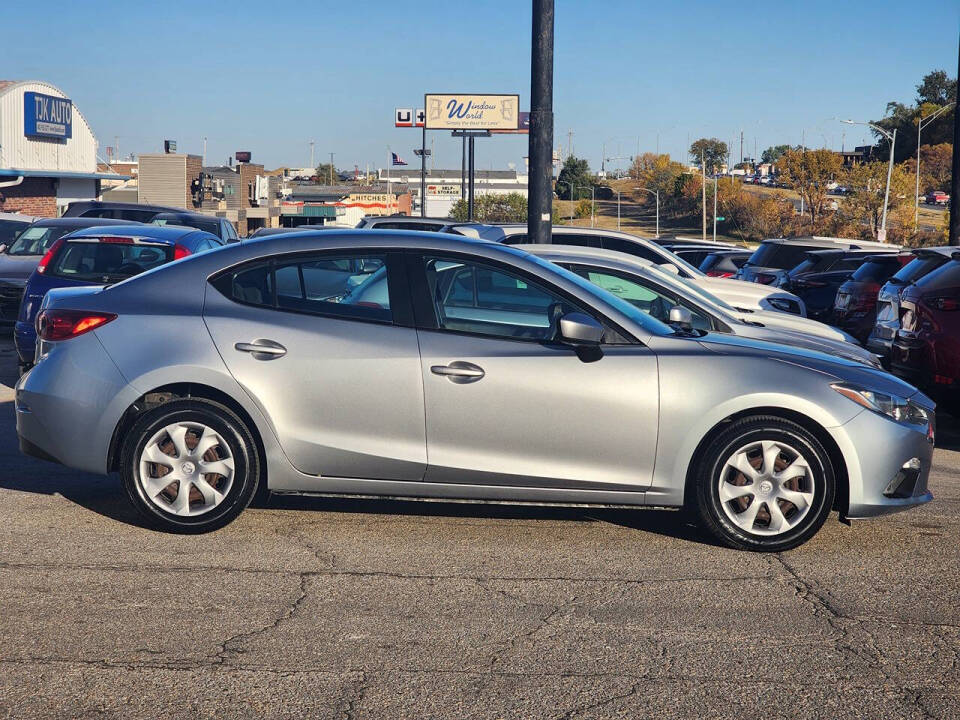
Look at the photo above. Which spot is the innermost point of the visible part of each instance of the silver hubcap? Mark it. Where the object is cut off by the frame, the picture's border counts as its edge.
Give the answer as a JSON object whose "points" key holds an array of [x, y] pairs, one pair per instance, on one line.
{"points": [[766, 488], [186, 469]]}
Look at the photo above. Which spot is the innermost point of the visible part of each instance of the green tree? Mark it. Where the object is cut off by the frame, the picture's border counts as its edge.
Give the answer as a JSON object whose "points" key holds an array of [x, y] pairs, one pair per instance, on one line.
{"points": [[774, 153], [658, 173], [936, 90], [809, 173], [868, 183], [491, 208], [324, 172], [713, 152], [575, 179]]}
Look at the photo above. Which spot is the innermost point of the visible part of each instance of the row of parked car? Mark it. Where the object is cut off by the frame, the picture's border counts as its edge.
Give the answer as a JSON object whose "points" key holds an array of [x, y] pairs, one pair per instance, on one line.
{"points": [[903, 305], [465, 363]]}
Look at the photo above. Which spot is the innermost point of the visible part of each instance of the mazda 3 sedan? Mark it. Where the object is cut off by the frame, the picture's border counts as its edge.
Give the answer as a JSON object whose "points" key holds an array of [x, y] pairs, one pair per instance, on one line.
{"points": [[483, 372]]}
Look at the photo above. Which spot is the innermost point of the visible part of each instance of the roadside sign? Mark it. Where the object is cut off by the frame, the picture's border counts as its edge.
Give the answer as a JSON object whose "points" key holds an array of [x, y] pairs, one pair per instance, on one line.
{"points": [[403, 117], [472, 112], [720, 218], [523, 126]]}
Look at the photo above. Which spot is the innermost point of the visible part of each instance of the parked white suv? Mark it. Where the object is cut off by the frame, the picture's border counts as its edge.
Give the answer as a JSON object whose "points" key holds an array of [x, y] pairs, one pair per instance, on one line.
{"points": [[741, 295]]}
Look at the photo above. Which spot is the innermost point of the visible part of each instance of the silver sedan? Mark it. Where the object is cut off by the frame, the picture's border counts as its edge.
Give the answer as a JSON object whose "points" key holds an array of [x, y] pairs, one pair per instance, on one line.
{"points": [[483, 372]]}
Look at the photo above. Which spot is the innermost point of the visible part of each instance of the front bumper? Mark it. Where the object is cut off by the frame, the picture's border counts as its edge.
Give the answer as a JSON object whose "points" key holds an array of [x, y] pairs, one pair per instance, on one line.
{"points": [[10, 297], [888, 464]]}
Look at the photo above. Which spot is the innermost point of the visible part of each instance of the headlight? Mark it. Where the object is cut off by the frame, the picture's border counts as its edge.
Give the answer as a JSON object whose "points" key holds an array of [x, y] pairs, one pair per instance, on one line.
{"points": [[893, 406]]}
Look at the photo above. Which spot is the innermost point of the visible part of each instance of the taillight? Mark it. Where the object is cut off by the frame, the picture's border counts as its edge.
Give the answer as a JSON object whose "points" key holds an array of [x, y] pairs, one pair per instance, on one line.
{"points": [[945, 303], [65, 324], [112, 240], [719, 274], [48, 256], [179, 251], [765, 278]]}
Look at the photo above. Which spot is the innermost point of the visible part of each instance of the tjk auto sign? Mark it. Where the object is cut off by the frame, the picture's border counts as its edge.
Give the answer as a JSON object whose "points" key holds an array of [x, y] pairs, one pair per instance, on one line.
{"points": [[472, 112], [47, 116]]}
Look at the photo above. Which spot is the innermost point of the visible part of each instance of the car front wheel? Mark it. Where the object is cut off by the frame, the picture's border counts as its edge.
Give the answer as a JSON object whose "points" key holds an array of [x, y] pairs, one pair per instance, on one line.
{"points": [[764, 483], [189, 466]]}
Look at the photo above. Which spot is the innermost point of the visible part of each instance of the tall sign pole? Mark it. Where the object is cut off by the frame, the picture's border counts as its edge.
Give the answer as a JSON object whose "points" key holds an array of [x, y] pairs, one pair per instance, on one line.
{"points": [[540, 207], [955, 173]]}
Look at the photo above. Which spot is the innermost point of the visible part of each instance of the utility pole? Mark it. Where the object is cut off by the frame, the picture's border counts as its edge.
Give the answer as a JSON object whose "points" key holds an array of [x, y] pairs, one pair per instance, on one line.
{"points": [[714, 209], [204, 160], [116, 146], [741, 147], [703, 187], [540, 208], [331, 169], [312, 165], [955, 173], [569, 142]]}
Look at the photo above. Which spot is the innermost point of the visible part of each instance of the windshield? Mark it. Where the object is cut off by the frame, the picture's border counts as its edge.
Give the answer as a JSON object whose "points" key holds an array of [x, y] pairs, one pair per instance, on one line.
{"points": [[648, 323], [101, 262], [37, 240], [695, 289], [210, 226], [9, 230]]}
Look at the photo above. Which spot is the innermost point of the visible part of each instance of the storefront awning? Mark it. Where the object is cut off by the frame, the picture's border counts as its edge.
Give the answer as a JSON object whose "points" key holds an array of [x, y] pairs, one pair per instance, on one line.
{"points": [[14, 172]]}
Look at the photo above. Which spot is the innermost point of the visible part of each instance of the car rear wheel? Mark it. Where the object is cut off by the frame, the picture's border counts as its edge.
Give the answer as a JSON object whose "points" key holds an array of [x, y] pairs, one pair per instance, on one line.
{"points": [[765, 484], [189, 466]]}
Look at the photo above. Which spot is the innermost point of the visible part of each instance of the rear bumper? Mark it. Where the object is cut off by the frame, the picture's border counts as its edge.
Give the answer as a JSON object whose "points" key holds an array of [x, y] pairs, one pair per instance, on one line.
{"points": [[69, 404], [25, 337]]}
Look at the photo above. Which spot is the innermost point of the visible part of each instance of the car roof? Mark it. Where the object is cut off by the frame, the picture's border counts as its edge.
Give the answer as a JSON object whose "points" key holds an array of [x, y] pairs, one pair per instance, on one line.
{"points": [[579, 251], [17, 216], [160, 233], [80, 222], [828, 243], [849, 251], [947, 251], [108, 204]]}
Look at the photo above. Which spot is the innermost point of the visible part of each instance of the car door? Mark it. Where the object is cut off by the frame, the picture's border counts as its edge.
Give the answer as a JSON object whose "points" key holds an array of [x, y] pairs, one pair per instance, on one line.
{"points": [[507, 403], [338, 376]]}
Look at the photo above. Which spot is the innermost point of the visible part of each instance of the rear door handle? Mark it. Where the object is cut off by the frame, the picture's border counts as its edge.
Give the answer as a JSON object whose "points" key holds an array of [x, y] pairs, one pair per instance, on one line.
{"points": [[262, 349], [459, 371]]}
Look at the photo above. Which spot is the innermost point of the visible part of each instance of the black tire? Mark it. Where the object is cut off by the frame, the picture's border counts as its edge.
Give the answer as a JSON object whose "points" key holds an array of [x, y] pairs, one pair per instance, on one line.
{"points": [[242, 450], [707, 475]]}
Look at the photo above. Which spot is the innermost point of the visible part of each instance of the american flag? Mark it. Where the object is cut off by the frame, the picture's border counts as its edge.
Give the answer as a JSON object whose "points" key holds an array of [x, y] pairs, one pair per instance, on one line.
{"points": [[397, 160]]}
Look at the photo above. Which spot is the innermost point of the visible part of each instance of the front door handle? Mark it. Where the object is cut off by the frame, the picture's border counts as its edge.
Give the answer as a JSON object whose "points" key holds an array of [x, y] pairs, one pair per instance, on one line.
{"points": [[262, 349], [459, 372]]}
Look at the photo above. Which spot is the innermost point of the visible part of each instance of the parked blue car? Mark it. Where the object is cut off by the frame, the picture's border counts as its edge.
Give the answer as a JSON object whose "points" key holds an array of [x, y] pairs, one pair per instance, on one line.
{"points": [[101, 256]]}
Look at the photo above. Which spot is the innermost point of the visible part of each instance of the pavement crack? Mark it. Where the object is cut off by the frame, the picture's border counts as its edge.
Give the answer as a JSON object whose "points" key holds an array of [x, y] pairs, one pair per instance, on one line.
{"points": [[634, 689], [231, 647]]}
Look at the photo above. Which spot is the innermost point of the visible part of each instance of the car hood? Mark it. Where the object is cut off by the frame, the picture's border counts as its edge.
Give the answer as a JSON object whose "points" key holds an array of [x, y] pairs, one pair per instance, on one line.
{"points": [[786, 321], [750, 293], [836, 367], [807, 341], [15, 269]]}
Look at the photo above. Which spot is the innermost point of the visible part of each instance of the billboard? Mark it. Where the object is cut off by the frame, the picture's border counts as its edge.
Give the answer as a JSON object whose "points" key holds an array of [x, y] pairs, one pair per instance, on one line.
{"points": [[405, 117], [472, 112], [523, 126], [47, 116]]}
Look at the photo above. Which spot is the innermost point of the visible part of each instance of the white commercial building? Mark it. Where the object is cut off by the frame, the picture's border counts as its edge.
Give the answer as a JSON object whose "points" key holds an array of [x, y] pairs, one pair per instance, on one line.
{"points": [[444, 186], [48, 155]]}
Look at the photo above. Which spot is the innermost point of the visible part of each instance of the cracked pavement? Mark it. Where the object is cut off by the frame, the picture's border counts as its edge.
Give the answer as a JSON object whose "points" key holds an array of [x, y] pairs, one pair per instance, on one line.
{"points": [[326, 608]]}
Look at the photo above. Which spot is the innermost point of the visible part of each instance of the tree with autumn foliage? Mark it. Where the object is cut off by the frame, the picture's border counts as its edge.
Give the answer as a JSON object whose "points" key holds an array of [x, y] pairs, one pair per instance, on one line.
{"points": [[868, 183], [810, 173], [935, 167]]}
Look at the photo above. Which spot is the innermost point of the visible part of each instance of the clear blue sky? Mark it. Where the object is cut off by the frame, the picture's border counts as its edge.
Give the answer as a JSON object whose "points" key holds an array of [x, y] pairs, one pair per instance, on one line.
{"points": [[269, 77]]}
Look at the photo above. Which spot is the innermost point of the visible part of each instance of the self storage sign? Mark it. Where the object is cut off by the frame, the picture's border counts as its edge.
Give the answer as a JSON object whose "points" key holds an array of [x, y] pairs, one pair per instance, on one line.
{"points": [[47, 116]]}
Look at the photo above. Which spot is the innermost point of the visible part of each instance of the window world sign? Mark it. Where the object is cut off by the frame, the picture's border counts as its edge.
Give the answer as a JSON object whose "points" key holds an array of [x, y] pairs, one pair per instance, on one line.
{"points": [[472, 112], [47, 116]]}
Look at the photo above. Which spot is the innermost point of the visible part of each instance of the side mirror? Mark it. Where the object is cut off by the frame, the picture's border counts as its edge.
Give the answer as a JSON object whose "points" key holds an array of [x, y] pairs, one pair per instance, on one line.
{"points": [[681, 317], [580, 329], [670, 267]]}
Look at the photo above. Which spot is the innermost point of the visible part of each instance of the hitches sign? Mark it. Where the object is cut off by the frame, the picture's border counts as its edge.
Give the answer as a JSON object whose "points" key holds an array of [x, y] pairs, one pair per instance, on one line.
{"points": [[472, 112], [404, 117], [47, 116]]}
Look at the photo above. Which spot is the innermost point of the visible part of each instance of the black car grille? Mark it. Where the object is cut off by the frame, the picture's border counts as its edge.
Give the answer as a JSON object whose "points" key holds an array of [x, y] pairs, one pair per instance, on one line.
{"points": [[10, 296]]}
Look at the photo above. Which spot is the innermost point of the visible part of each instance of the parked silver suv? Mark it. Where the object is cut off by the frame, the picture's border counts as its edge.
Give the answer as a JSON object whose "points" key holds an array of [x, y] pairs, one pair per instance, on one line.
{"points": [[483, 373]]}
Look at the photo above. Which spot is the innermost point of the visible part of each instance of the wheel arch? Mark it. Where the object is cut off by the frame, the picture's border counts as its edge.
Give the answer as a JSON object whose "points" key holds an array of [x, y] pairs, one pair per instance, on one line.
{"points": [[177, 391], [842, 498]]}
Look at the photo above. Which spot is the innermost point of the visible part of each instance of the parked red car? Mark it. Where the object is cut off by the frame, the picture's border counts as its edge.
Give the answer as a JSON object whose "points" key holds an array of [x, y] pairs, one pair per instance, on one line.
{"points": [[855, 306], [926, 350], [937, 197]]}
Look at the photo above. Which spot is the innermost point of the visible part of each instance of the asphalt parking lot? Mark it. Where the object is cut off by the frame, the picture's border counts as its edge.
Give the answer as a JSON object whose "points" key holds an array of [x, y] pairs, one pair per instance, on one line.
{"points": [[378, 609]]}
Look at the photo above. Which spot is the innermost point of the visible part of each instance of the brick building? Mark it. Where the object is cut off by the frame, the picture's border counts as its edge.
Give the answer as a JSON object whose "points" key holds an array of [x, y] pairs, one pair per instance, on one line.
{"points": [[48, 154]]}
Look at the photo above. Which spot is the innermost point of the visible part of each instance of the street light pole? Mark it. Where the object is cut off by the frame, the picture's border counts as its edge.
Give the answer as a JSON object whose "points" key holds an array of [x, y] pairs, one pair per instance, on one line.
{"points": [[714, 208], [618, 208], [656, 195], [922, 123], [892, 137]]}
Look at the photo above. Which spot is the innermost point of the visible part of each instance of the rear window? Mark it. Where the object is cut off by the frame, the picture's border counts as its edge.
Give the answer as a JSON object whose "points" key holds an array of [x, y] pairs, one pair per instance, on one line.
{"points": [[106, 262], [210, 226], [119, 214], [9, 230], [876, 271], [917, 268], [943, 278], [780, 256]]}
